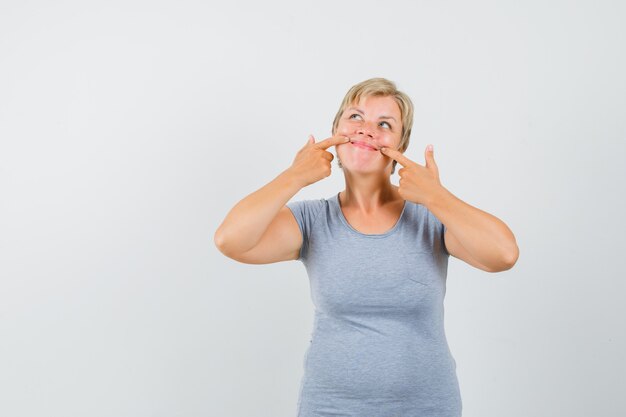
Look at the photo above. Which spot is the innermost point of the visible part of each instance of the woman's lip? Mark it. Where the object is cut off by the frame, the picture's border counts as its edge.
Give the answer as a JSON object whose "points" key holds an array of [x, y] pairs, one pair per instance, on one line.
{"points": [[363, 145]]}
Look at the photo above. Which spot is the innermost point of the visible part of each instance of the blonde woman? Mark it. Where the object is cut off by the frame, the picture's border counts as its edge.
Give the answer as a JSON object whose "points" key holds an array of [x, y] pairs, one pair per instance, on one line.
{"points": [[376, 255]]}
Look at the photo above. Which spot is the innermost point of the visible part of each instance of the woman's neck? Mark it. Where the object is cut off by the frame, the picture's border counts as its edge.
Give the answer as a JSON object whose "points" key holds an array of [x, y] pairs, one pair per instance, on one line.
{"points": [[368, 193]]}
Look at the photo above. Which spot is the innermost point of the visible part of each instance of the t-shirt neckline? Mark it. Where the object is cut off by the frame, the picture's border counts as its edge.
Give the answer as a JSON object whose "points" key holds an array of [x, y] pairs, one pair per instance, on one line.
{"points": [[370, 235]]}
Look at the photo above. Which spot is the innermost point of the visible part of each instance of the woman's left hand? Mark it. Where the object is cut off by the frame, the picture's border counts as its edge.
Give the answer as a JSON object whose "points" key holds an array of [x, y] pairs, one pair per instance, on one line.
{"points": [[419, 184]]}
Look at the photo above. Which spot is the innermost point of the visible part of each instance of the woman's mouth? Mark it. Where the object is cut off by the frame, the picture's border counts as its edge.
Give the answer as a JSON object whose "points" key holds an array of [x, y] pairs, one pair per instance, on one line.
{"points": [[363, 145]]}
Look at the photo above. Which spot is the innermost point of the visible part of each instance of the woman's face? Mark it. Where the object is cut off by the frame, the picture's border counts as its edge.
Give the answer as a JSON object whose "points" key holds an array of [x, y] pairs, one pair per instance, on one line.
{"points": [[372, 123]]}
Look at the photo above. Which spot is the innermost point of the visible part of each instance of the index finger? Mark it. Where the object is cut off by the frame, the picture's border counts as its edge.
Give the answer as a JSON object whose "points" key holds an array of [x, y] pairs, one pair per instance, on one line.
{"points": [[333, 140], [398, 156]]}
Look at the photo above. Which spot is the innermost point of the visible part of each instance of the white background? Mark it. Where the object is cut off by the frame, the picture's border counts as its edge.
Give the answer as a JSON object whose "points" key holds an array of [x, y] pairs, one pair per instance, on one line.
{"points": [[128, 130]]}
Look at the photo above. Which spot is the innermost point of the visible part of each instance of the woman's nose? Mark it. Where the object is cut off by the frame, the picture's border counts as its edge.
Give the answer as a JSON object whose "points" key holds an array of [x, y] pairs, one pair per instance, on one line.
{"points": [[366, 128]]}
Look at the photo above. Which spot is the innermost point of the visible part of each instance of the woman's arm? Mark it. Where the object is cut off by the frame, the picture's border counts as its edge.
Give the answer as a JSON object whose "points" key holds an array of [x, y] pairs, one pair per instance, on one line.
{"points": [[259, 228], [473, 234], [250, 218]]}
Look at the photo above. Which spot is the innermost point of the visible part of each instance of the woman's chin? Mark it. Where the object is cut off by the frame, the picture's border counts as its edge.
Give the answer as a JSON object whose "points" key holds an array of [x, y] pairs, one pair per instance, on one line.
{"points": [[362, 169]]}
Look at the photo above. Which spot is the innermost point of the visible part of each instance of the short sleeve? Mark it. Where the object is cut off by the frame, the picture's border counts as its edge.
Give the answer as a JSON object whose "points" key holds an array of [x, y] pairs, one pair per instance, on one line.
{"points": [[438, 230], [443, 240], [306, 213]]}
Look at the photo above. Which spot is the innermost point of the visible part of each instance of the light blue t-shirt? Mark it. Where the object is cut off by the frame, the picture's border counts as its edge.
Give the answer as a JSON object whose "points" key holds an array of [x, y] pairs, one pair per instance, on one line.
{"points": [[378, 346]]}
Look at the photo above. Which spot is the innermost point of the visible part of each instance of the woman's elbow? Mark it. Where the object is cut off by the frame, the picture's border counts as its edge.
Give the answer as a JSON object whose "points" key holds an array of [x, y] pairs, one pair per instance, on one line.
{"points": [[220, 240], [508, 261]]}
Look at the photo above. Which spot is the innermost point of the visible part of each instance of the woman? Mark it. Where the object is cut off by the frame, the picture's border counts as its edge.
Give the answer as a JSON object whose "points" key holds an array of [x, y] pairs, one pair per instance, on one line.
{"points": [[377, 257]]}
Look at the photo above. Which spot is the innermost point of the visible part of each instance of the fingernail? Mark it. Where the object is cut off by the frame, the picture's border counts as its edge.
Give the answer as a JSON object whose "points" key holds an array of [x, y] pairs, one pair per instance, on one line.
{"points": [[430, 148]]}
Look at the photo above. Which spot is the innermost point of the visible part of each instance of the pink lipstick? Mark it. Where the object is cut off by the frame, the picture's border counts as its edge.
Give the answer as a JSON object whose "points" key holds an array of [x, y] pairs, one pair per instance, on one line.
{"points": [[364, 145]]}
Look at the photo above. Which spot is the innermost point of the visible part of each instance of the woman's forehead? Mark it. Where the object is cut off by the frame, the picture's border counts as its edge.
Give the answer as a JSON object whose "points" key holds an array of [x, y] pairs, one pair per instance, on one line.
{"points": [[385, 104], [377, 106]]}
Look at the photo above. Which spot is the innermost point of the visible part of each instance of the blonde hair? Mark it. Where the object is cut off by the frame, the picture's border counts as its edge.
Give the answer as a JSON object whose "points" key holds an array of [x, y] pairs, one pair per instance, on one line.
{"points": [[380, 87]]}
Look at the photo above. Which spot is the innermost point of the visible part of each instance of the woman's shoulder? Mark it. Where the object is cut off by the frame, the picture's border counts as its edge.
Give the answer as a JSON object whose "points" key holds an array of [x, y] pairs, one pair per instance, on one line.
{"points": [[308, 208], [420, 213], [309, 202]]}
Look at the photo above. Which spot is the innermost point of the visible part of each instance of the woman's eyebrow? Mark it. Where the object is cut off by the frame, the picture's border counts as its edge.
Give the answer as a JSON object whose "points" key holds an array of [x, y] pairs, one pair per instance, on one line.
{"points": [[381, 117]]}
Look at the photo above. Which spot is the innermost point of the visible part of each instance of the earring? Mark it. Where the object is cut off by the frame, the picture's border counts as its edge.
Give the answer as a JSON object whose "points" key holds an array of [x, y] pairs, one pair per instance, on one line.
{"points": [[339, 163]]}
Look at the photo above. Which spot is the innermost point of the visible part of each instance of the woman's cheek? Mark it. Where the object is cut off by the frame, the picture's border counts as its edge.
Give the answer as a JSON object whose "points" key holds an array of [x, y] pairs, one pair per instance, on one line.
{"points": [[339, 149], [390, 142], [343, 130]]}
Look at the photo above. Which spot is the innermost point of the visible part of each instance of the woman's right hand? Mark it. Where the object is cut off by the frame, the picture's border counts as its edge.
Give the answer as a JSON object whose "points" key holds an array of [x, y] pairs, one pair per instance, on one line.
{"points": [[261, 228], [312, 162]]}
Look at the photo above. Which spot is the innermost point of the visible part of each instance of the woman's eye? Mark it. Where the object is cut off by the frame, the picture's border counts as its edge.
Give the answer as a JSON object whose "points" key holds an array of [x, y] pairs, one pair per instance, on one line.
{"points": [[353, 116]]}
